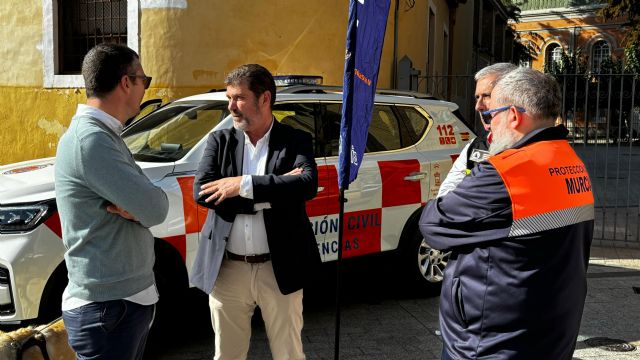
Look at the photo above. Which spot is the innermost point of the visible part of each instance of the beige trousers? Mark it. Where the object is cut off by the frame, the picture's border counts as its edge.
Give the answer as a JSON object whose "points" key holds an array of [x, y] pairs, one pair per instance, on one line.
{"points": [[239, 288]]}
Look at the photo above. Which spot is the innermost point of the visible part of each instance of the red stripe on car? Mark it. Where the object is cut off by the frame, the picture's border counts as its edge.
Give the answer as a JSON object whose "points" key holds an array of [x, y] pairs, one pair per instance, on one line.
{"points": [[361, 232], [326, 201], [192, 211], [396, 189], [53, 223], [180, 243]]}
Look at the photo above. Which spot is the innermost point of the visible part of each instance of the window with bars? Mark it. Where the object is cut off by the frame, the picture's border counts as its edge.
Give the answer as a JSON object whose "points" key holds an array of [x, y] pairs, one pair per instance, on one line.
{"points": [[553, 55], [600, 52], [82, 24]]}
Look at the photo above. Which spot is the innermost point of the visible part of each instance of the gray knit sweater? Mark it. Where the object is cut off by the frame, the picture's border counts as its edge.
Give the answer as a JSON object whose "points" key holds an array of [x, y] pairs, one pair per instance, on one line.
{"points": [[108, 257]]}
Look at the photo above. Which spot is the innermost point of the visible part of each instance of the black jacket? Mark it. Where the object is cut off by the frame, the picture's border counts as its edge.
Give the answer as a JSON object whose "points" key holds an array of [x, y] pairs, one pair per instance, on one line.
{"points": [[294, 251]]}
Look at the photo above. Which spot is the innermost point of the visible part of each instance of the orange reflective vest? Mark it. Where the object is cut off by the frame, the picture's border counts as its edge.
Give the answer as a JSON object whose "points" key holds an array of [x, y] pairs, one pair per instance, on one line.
{"points": [[548, 184]]}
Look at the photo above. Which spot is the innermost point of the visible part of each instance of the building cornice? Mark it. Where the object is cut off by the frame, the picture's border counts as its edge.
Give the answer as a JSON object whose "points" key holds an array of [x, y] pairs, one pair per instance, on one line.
{"points": [[560, 13], [571, 27]]}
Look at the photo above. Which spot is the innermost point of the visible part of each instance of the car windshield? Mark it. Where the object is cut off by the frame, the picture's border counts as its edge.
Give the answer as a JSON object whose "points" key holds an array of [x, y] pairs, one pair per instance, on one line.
{"points": [[168, 134]]}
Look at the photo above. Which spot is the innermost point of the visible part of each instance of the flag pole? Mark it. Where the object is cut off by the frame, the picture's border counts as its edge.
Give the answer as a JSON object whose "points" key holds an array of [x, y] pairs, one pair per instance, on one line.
{"points": [[357, 105], [344, 164], [336, 348]]}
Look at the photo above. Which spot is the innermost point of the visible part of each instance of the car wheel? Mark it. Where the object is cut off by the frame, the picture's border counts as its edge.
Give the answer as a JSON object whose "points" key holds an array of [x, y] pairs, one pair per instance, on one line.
{"points": [[431, 262], [424, 265], [173, 307], [172, 283]]}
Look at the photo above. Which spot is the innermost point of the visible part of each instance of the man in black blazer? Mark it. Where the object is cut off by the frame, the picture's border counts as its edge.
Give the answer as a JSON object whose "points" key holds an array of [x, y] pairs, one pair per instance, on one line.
{"points": [[257, 246]]}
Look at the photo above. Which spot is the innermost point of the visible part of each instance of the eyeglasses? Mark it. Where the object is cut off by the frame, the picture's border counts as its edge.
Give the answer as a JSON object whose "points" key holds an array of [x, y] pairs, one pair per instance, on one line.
{"points": [[146, 80], [488, 115]]}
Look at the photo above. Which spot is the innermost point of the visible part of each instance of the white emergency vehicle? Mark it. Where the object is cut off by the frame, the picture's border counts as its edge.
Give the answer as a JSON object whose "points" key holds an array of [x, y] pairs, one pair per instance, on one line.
{"points": [[412, 142]]}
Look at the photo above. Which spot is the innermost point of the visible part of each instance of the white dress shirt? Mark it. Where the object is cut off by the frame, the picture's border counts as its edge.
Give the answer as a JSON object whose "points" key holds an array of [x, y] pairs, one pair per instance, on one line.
{"points": [[248, 233]]}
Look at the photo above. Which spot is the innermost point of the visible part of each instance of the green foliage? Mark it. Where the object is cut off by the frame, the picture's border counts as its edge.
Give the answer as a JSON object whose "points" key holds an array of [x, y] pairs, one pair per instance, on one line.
{"points": [[513, 11], [632, 58], [629, 9], [570, 63], [521, 52], [611, 66], [578, 63]]}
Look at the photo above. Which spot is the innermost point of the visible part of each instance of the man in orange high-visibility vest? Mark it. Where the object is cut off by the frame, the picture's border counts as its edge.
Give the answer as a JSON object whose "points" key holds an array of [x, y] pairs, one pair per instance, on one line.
{"points": [[520, 229]]}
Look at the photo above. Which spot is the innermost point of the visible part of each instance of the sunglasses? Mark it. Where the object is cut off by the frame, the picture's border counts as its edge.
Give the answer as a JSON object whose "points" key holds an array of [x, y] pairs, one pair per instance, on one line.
{"points": [[488, 115], [146, 80]]}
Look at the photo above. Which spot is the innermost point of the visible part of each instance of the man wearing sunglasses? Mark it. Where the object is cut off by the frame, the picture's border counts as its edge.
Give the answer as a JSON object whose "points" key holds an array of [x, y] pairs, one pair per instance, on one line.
{"points": [[519, 228], [476, 150], [107, 206]]}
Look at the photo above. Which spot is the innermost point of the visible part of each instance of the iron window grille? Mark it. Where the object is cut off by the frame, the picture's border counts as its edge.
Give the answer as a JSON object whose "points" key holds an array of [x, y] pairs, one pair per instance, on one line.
{"points": [[83, 24]]}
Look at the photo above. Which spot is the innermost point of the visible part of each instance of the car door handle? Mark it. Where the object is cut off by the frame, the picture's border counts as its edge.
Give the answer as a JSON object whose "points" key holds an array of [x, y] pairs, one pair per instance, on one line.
{"points": [[415, 176]]}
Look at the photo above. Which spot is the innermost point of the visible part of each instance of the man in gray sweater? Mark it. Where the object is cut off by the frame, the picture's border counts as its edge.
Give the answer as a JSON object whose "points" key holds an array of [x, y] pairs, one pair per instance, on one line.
{"points": [[106, 207]]}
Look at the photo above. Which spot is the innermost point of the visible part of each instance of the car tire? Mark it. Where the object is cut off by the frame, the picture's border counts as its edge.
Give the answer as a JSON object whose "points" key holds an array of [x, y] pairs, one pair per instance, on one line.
{"points": [[423, 265], [178, 307], [171, 280], [172, 283]]}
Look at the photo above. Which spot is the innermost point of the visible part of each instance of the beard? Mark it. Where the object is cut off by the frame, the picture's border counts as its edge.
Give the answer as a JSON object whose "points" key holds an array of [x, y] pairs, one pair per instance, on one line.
{"points": [[240, 122], [502, 142]]}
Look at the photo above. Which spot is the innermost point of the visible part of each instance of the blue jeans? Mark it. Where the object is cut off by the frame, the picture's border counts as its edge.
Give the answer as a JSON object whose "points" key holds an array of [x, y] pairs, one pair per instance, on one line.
{"points": [[445, 354], [115, 329]]}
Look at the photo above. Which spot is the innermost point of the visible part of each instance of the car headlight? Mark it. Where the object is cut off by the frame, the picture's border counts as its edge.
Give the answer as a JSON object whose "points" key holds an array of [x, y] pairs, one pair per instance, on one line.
{"points": [[20, 218]]}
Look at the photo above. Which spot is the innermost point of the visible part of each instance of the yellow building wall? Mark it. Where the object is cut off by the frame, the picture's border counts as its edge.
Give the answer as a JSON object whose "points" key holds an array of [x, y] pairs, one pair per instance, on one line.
{"points": [[413, 35], [187, 51], [461, 53], [21, 47], [211, 37]]}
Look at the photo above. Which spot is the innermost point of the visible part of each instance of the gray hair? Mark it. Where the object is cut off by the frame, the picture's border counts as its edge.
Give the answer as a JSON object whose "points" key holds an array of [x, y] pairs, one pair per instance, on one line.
{"points": [[498, 70], [537, 93]]}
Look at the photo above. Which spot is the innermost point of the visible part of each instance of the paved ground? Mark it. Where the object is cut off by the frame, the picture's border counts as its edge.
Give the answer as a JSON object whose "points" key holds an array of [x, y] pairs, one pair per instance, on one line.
{"points": [[612, 308], [380, 320]]}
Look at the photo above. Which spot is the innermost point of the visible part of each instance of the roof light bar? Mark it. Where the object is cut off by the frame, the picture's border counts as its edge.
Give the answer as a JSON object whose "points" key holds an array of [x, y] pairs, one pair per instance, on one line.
{"points": [[288, 80]]}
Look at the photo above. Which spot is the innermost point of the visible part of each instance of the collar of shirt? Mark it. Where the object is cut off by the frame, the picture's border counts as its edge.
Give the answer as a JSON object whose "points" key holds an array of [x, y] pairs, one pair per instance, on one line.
{"points": [[263, 140], [525, 139], [102, 116]]}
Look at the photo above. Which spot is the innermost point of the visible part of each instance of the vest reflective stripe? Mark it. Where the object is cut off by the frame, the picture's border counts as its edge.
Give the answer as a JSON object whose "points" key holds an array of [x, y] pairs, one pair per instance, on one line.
{"points": [[548, 185], [552, 220]]}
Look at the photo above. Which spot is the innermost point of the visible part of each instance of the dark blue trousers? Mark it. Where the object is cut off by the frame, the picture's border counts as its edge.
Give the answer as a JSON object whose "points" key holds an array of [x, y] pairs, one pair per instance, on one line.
{"points": [[445, 354], [108, 330]]}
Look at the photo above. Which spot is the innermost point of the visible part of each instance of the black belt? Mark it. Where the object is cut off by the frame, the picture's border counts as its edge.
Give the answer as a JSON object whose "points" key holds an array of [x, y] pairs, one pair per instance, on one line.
{"points": [[251, 259]]}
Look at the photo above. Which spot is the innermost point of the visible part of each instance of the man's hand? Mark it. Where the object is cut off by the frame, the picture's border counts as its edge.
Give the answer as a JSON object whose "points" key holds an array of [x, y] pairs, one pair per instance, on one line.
{"points": [[221, 189], [114, 209], [296, 171]]}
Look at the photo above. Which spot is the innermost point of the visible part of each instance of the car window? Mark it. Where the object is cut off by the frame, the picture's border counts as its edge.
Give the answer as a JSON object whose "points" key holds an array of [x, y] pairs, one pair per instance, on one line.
{"points": [[330, 115], [384, 131], [299, 116], [169, 133], [414, 124]]}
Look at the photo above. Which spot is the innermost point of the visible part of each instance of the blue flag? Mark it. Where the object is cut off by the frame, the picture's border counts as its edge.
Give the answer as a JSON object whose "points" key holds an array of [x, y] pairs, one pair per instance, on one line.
{"points": [[365, 37]]}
